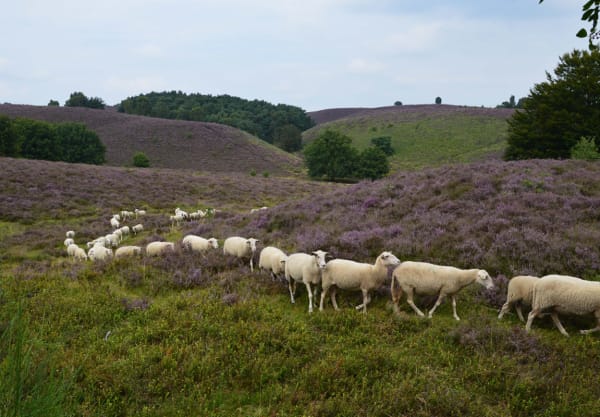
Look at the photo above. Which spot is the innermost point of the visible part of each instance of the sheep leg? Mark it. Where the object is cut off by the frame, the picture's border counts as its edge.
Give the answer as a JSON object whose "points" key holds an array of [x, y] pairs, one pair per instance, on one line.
{"points": [[396, 295], [595, 329], [333, 301], [454, 308], [558, 324], [504, 310], [292, 283], [532, 314], [251, 266], [366, 300], [411, 303], [310, 297], [437, 303], [519, 312], [323, 294]]}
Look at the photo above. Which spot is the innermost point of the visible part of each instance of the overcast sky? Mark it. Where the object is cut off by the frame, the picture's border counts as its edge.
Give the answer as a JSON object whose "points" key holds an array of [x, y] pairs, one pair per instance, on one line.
{"points": [[315, 54]]}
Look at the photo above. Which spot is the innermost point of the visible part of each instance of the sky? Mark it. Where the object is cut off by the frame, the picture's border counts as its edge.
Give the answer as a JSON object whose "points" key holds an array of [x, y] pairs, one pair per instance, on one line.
{"points": [[315, 54]]}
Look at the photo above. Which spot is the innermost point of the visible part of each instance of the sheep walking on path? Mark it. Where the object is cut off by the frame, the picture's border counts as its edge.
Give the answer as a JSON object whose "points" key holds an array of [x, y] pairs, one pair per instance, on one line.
{"points": [[351, 275], [567, 295], [159, 248], [520, 292], [241, 248], [428, 279], [273, 260], [305, 268], [199, 244]]}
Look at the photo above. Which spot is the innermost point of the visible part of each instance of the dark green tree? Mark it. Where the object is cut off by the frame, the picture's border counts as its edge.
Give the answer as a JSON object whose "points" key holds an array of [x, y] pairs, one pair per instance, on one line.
{"points": [[78, 99], [38, 140], [9, 140], [438, 100], [53, 103], [591, 12], [384, 143], [397, 103], [76, 143], [288, 137], [559, 111], [331, 156], [140, 160], [373, 163]]}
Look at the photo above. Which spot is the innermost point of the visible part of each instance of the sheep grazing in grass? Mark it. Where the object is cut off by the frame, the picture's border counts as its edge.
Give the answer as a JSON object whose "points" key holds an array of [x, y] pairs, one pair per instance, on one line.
{"points": [[101, 241], [137, 228], [139, 212], [176, 219], [124, 231], [197, 215], [70, 233], [71, 249], [241, 248], [79, 254], [182, 213], [112, 239], [125, 215], [68, 241], [273, 260], [199, 244], [159, 248], [351, 275], [254, 210], [520, 292], [428, 279], [566, 295], [114, 223], [100, 253], [125, 251], [305, 268]]}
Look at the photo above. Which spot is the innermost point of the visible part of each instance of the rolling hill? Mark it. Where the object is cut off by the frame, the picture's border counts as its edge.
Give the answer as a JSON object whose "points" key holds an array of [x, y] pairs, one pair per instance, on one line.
{"points": [[169, 143], [423, 135]]}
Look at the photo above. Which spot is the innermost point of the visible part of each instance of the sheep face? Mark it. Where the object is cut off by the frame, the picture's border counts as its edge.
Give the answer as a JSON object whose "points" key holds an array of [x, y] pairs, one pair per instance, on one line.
{"points": [[251, 243], [484, 279], [320, 259], [389, 259]]}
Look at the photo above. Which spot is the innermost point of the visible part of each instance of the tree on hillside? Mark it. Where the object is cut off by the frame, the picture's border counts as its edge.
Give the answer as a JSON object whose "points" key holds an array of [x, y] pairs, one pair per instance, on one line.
{"points": [[288, 137], [331, 156], [590, 13], [438, 100], [77, 143], [78, 99], [37, 139], [140, 160], [54, 103], [9, 140], [559, 111], [373, 163], [384, 143]]}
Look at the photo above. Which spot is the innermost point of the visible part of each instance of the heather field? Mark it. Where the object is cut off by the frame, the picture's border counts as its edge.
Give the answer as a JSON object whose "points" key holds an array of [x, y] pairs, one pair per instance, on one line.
{"points": [[173, 144], [202, 335], [422, 135]]}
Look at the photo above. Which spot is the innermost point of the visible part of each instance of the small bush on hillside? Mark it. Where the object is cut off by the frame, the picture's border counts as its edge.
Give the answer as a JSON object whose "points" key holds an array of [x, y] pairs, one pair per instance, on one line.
{"points": [[585, 149], [140, 160]]}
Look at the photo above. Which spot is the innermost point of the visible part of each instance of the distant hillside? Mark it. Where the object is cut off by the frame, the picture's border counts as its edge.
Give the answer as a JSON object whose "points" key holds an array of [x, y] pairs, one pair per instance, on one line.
{"points": [[169, 143], [423, 135]]}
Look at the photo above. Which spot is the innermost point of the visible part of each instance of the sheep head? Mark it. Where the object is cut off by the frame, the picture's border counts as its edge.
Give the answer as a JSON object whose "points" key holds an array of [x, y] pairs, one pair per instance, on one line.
{"points": [[251, 243], [484, 279], [213, 242], [388, 259], [320, 259]]}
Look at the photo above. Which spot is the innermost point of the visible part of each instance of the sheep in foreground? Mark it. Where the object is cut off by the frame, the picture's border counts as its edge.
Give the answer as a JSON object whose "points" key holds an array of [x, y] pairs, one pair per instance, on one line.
{"points": [[125, 251], [199, 244], [159, 248], [241, 248], [100, 253], [70, 233], [273, 260], [137, 228], [565, 294], [351, 275], [305, 268], [520, 292], [428, 279]]}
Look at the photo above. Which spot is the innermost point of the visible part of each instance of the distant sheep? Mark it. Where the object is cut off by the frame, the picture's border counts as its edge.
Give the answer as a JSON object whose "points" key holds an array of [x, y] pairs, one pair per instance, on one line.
{"points": [[273, 260], [241, 248], [351, 275], [101, 241], [100, 253], [112, 239], [124, 231], [567, 295], [68, 241], [139, 212], [520, 292], [176, 219], [114, 223], [305, 268], [197, 215], [126, 251], [70, 233], [199, 244], [71, 249], [137, 228], [79, 254], [182, 213], [428, 279], [254, 210], [159, 248], [125, 215]]}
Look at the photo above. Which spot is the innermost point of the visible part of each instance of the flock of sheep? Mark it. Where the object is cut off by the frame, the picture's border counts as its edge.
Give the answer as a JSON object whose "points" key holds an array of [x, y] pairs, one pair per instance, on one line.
{"points": [[551, 294]]}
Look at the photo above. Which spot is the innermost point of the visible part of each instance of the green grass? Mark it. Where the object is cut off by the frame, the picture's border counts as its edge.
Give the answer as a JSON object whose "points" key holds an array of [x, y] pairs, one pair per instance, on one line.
{"points": [[430, 141]]}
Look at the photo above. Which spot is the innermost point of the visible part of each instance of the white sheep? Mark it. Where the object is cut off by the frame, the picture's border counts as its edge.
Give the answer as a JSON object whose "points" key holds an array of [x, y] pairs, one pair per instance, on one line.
{"points": [[112, 240], [114, 223], [565, 294], [126, 214], [124, 251], [99, 241], [179, 212], [199, 214], [68, 241], [520, 292], [137, 228], [124, 231], [240, 247], [70, 233], [351, 275], [159, 248], [79, 254], [428, 279], [273, 260], [139, 212], [71, 249], [100, 253], [199, 244], [305, 268], [254, 210], [176, 219]]}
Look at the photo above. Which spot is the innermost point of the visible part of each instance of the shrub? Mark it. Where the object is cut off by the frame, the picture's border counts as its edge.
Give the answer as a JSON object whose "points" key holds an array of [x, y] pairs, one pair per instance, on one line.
{"points": [[140, 160], [585, 149]]}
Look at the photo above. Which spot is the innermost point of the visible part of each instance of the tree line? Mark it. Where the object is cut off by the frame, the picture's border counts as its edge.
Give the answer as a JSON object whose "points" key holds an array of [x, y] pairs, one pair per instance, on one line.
{"points": [[33, 139], [280, 124]]}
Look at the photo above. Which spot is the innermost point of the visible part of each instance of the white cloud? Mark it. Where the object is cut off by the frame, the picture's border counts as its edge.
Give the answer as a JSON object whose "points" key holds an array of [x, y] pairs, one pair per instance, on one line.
{"points": [[365, 66]]}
